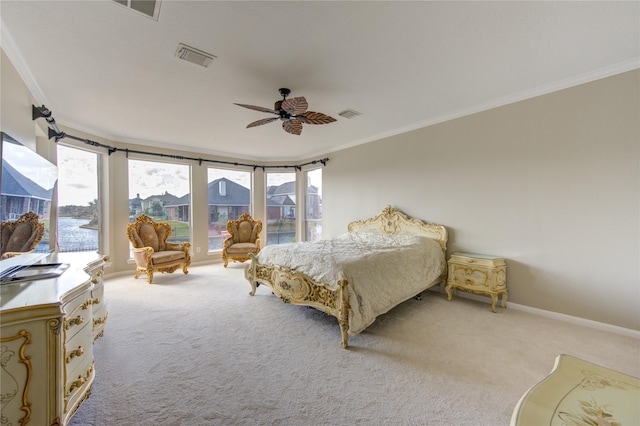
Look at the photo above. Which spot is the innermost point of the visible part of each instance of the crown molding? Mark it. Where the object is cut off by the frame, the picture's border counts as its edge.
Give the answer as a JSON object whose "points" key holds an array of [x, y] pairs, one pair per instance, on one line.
{"points": [[13, 53]]}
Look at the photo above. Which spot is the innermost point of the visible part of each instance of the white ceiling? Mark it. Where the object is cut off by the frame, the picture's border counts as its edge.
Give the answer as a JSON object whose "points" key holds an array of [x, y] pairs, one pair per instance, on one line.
{"points": [[107, 70]]}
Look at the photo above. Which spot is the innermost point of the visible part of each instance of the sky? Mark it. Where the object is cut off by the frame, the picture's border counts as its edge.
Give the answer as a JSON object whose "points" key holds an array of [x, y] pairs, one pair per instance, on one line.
{"points": [[147, 178], [77, 173]]}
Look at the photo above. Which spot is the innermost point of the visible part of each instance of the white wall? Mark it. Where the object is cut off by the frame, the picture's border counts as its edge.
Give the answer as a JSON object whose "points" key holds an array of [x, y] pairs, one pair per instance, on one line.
{"points": [[15, 105], [552, 184]]}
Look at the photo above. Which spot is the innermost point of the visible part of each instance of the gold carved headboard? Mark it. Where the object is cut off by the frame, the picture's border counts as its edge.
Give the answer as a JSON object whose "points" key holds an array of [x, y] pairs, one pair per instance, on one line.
{"points": [[393, 221]]}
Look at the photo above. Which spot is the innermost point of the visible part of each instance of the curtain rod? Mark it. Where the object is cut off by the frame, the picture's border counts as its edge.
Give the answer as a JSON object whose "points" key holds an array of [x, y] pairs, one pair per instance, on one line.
{"points": [[55, 133]]}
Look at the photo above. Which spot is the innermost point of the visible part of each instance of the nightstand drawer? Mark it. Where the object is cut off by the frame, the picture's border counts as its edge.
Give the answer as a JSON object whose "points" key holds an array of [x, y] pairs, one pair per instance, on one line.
{"points": [[480, 260], [468, 276]]}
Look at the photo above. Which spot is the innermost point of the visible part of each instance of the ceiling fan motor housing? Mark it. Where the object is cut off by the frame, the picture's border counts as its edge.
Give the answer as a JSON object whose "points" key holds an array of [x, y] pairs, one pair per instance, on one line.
{"points": [[284, 92]]}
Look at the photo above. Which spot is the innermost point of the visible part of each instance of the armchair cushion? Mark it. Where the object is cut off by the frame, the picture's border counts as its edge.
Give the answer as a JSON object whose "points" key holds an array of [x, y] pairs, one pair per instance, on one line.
{"points": [[164, 257], [149, 236], [21, 238]]}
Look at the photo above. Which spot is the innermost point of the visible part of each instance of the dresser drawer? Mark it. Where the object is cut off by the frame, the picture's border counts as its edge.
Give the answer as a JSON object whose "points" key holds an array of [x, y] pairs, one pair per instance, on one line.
{"points": [[97, 297], [77, 314], [78, 352], [99, 320], [77, 388]]}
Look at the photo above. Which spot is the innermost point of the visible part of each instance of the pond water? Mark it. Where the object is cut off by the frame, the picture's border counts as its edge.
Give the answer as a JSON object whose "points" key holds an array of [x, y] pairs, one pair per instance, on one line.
{"points": [[71, 237]]}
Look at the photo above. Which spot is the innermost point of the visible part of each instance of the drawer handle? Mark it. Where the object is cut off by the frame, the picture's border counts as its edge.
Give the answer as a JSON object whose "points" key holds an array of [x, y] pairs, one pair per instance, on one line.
{"points": [[100, 321], [79, 382], [470, 260], [76, 384], [75, 353], [75, 321]]}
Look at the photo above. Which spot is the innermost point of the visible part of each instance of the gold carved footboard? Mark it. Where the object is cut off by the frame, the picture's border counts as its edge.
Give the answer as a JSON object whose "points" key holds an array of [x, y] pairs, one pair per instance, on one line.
{"points": [[297, 288]]}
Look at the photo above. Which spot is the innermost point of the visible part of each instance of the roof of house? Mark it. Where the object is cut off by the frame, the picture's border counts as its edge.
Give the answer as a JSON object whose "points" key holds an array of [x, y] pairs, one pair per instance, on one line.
{"points": [[236, 194], [16, 184], [166, 198]]}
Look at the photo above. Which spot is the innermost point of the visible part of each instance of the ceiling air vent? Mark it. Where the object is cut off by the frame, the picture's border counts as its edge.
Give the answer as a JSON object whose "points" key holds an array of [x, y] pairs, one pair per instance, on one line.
{"points": [[349, 113], [193, 55]]}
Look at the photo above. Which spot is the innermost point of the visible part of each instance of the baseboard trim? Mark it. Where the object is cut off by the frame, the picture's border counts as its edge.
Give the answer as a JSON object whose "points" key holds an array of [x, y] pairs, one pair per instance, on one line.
{"points": [[558, 316], [577, 320]]}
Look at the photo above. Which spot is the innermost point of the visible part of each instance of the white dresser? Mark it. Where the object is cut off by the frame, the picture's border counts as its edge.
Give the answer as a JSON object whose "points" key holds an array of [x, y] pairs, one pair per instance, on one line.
{"points": [[48, 328]]}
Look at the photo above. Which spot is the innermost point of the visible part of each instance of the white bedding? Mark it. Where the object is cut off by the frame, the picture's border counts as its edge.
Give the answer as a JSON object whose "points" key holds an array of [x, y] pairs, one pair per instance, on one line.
{"points": [[382, 270]]}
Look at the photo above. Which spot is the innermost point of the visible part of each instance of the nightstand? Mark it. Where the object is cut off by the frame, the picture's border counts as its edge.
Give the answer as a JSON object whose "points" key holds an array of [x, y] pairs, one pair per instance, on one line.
{"points": [[479, 274]]}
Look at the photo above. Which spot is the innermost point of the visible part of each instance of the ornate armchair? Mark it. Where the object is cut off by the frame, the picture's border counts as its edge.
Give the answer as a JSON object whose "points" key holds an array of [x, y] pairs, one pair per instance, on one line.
{"points": [[244, 239], [20, 236], [152, 252]]}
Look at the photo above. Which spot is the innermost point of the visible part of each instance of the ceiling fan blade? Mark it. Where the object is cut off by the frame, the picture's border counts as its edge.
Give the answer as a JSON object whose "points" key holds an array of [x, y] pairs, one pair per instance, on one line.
{"points": [[261, 122], [295, 106], [293, 126], [311, 117], [258, 108]]}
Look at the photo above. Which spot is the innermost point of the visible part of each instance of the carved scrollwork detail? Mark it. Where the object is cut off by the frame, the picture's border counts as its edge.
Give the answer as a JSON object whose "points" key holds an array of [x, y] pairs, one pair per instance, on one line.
{"points": [[10, 385], [73, 321], [81, 380], [100, 321], [55, 325], [75, 353]]}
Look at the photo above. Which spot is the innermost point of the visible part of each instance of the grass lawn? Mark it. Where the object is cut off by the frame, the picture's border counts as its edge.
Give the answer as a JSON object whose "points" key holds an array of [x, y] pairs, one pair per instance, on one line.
{"points": [[179, 229]]}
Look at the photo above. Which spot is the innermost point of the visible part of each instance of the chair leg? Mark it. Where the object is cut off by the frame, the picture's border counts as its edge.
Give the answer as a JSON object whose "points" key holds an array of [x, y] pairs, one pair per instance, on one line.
{"points": [[149, 276]]}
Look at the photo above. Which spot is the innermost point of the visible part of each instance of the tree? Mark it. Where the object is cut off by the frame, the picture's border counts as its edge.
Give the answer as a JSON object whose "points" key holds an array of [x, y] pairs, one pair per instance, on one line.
{"points": [[156, 209]]}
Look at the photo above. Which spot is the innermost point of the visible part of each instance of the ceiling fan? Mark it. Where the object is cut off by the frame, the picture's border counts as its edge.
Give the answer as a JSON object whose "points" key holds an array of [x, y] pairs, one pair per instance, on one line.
{"points": [[293, 112]]}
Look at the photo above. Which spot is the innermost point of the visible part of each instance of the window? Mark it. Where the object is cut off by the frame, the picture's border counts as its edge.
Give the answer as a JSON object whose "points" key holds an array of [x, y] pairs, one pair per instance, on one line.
{"points": [[78, 200], [229, 196], [161, 191], [281, 208], [313, 218]]}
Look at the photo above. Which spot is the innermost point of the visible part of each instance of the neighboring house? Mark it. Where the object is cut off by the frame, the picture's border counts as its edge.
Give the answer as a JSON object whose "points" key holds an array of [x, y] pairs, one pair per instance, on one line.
{"points": [[20, 195], [314, 203], [281, 202], [135, 206], [155, 204], [178, 209], [227, 200]]}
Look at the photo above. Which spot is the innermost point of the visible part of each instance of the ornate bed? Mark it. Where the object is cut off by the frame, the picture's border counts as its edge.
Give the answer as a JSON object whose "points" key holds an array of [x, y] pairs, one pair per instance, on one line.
{"points": [[380, 263]]}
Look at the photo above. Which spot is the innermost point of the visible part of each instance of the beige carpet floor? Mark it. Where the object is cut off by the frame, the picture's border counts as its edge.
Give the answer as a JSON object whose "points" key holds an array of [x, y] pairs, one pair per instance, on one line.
{"points": [[198, 350]]}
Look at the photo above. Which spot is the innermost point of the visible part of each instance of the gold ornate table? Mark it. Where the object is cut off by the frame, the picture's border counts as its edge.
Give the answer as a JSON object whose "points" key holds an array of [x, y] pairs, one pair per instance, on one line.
{"points": [[578, 392]]}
